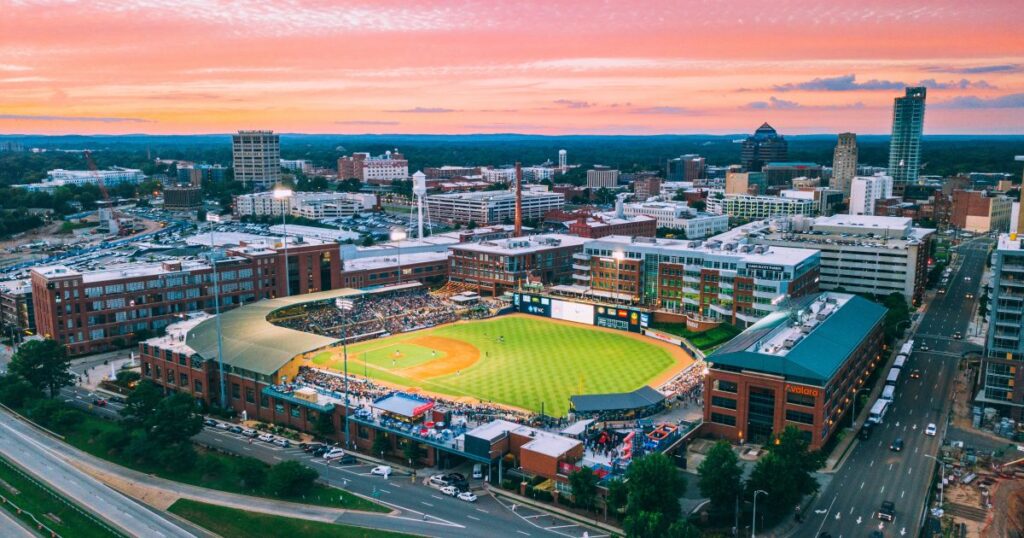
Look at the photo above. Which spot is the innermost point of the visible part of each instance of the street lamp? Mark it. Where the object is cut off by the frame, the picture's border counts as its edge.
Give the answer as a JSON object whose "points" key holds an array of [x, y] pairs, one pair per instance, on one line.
{"points": [[345, 305], [398, 234], [285, 194], [216, 314], [753, 518]]}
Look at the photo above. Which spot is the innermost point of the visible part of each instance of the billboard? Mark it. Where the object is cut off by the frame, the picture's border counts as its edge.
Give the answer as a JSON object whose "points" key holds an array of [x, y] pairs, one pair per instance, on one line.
{"points": [[621, 318], [575, 312], [532, 304]]}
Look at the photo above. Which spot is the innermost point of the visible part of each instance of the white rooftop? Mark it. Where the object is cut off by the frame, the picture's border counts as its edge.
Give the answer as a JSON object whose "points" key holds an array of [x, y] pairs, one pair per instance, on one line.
{"points": [[1009, 242], [381, 262], [767, 254], [785, 337], [523, 245], [175, 339]]}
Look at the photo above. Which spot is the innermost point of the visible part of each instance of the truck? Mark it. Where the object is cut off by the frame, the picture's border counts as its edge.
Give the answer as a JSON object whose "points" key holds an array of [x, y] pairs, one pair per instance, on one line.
{"points": [[907, 348], [901, 359], [888, 393], [894, 375], [878, 411]]}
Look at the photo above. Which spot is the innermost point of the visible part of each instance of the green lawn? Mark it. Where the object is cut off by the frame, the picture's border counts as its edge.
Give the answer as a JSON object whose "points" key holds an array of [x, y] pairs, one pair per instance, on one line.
{"points": [[540, 362], [703, 340], [88, 434], [49, 507], [232, 523]]}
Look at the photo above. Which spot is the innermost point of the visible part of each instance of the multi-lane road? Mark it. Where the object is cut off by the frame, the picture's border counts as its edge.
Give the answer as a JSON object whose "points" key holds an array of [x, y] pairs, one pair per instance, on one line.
{"points": [[41, 455], [872, 473]]}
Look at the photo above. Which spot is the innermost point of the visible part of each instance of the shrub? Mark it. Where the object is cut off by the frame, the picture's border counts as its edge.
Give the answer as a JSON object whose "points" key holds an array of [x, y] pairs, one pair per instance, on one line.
{"points": [[508, 484]]}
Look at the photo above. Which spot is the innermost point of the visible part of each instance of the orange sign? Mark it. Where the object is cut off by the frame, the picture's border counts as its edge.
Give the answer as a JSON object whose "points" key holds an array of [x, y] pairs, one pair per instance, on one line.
{"points": [[806, 391]]}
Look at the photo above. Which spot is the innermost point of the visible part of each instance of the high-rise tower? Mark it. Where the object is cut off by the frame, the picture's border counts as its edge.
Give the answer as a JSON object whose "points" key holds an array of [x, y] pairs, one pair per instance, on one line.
{"points": [[763, 147], [844, 163], [905, 145], [257, 158]]}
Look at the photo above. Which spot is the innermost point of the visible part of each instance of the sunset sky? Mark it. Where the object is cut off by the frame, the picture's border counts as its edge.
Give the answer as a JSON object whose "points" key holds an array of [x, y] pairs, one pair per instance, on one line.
{"points": [[544, 67]]}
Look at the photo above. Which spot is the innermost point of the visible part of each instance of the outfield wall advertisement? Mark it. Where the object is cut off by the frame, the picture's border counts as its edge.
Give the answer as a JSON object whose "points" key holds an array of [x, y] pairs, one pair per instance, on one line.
{"points": [[575, 312], [532, 304]]}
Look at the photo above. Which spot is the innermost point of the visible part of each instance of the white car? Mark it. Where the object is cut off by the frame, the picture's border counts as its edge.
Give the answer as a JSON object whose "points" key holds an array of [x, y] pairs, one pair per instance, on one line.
{"points": [[438, 481], [930, 430], [249, 432], [467, 496], [266, 437], [333, 454], [450, 490], [283, 443], [382, 470]]}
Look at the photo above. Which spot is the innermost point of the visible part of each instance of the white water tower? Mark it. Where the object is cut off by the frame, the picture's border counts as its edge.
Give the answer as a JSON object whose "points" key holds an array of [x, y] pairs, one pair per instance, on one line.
{"points": [[419, 190], [563, 160]]}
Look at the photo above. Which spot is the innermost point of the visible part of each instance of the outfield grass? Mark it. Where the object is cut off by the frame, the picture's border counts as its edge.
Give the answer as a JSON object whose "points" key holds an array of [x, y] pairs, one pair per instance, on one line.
{"points": [[541, 362], [39, 500], [233, 523], [702, 340]]}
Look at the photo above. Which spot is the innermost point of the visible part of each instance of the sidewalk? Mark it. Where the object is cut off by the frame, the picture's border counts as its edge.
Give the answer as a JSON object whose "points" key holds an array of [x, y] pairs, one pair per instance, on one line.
{"points": [[551, 508]]}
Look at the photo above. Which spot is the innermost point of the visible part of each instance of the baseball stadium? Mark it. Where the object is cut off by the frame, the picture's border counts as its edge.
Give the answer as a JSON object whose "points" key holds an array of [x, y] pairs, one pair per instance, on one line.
{"points": [[530, 356]]}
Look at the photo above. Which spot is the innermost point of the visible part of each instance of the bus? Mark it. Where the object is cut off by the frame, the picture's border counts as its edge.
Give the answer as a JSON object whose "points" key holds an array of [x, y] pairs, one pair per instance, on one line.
{"points": [[907, 348], [878, 411], [888, 393], [901, 359], [894, 374]]}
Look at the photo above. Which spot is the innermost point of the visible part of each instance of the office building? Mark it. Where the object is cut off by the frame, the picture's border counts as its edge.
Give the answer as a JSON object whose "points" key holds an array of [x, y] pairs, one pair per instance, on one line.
{"points": [[679, 216], [780, 175], [826, 200], [450, 172], [17, 314], [746, 207], [91, 311], [689, 167], [494, 267], [183, 198], [1001, 383], [604, 224], [981, 211], [801, 367], [602, 177], [844, 163], [197, 174], [311, 205], [499, 175], [861, 254], [536, 174], [256, 158], [720, 279], [864, 191], [763, 147], [427, 268], [491, 207], [751, 183], [374, 170], [646, 186], [905, 145]]}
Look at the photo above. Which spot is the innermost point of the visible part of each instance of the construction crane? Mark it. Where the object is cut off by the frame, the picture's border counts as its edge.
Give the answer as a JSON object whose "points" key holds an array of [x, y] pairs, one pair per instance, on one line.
{"points": [[109, 217]]}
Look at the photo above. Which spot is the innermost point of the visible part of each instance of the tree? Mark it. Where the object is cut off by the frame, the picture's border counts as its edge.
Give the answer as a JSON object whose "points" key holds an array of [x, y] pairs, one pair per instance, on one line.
{"points": [[786, 472], [174, 421], [349, 185], [412, 451], [141, 403], [290, 479], [15, 391], [683, 529], [583, 482], [617, 495], [604, 196], [44, 364], [252, 472], [125, 378], [698, 205], [720, 476], [652, 504], [380, 443]]}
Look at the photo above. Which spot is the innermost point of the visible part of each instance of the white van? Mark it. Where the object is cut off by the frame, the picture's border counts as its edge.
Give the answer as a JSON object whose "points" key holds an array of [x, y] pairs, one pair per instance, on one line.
{"points": [[478, 471], [889, 393]]}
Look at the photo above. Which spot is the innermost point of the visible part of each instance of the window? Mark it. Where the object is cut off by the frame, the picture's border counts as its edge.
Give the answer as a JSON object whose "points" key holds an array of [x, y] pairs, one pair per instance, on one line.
{"points": [[146, 369], [250, 395], [727, 403], [198, 386], [279, 407], [797, 416], [235, 391], [726, 386], [183, 380], [719, 418], [295, 411], [264, 401], [800, 399]]}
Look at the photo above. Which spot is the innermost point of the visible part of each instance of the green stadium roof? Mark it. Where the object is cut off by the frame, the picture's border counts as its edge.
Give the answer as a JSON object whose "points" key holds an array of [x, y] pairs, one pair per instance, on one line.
{"points": [[254, 344], [818, 356]]}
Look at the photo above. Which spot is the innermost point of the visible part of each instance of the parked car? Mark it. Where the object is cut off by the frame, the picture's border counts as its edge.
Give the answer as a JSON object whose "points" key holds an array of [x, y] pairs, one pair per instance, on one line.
{"points": [[897, 445], [319, 452], [438, 481], [467, 496], [381, 470], [249, 432], [265, 437], [118, 399], [348, 459], [957, 336], [223, 425], [210, 422], [281, 442], [865, 431], [930, 429], [334, 454], [235, 429], [310, 447], [450, 490]]}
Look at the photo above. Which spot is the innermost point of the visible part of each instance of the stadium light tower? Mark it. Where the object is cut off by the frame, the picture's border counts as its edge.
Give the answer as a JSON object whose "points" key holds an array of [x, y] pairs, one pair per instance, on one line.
{"points": [[398, 234], [285, 194], [216, 313], [345, 305]]}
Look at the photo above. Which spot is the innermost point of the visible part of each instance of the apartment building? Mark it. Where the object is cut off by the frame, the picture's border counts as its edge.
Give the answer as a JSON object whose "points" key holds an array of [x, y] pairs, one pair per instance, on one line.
{"points": [[861, 254], [866, 190], [256, 157], [679, 216], [610, 223], [800, 367], [491, 207], [1001, 383], [981, 211], [721, 279], [374, 170], [17, 313], [602, 177], [745, 207], [312, 205]]}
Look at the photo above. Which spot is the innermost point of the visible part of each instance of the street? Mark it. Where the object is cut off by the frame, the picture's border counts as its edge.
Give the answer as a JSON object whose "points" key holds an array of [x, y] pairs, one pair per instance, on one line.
{"points": [[39, 454], [872, 473]]}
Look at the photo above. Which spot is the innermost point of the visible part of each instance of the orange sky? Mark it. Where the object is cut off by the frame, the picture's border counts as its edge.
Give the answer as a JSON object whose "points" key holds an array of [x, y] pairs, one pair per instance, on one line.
{"points": [[546, 67]]}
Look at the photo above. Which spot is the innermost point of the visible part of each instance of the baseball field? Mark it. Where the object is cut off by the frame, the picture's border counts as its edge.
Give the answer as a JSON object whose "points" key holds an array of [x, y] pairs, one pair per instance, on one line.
{"points": [[518, 360]]}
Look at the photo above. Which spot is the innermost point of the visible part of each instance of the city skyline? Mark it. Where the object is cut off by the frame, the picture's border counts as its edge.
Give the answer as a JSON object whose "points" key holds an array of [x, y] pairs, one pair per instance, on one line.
{"points": [[465, 67]]}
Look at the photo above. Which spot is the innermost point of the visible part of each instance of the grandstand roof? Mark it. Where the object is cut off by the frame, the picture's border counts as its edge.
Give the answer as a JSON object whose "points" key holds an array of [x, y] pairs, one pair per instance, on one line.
{"points": [[638, 399], [254, 344]]}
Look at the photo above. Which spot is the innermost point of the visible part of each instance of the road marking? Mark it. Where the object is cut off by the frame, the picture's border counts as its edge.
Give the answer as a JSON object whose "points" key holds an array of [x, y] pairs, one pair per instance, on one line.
{"points": [[474, 518], [523, 532], [883, 490], [851, 510], [910, 470], [434, 496], [482, 510], [824, 519], [890, 466], [902, 493], [425, 503], [561, 527], [533, 516], [862, 485], [384, 490], [278, 458]]}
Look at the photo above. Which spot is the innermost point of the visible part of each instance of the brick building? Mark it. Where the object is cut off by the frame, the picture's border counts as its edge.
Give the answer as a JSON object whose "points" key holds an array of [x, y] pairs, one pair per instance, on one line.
{"points": [[603, 224], [801, 367], [374, 170], [980, 211], [494, 267]]}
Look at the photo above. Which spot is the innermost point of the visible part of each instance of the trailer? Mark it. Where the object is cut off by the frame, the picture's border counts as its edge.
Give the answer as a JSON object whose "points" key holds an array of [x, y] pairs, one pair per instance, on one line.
{"points": [[878, 411], [894, 375]]}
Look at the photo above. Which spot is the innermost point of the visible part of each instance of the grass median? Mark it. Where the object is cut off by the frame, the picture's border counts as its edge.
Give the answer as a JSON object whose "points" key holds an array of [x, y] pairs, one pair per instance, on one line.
{"points": [[41, 504], [234, 523]]}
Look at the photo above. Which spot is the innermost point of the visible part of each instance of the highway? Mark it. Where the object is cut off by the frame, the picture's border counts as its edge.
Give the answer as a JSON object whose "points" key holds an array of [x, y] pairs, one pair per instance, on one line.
{"points": [[41, 455], [847, 506]]}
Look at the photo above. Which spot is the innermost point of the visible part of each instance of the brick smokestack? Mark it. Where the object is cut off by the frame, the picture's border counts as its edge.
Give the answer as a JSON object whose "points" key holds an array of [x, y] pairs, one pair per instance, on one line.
{"points": [[519, 200]]}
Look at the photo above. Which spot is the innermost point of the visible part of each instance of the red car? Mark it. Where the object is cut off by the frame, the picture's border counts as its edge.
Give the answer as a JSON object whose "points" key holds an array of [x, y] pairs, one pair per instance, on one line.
{"points": [[99, 402]]}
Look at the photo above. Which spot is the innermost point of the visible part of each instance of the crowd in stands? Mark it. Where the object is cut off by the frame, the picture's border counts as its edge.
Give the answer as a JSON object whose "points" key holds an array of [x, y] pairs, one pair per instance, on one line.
{"points": [[688, 386]]}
